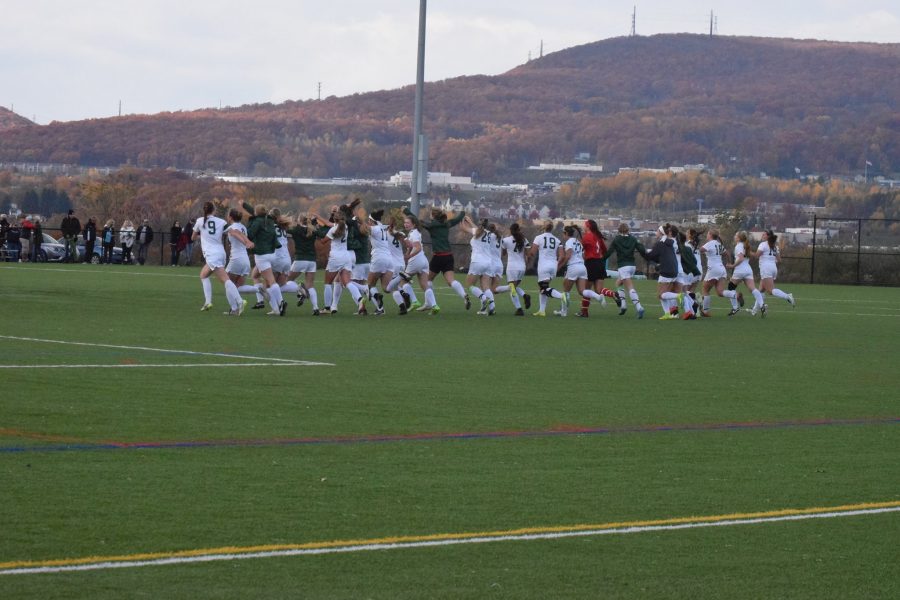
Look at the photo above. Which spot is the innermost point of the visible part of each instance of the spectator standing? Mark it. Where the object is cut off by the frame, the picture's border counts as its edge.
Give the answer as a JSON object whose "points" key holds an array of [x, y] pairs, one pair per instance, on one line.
{"points": [[70, 228], [4, 227], [126, 238], [144, 238], [107, 241], [13, 242], [90, 238], [188, 234], [174, 241], [26, 227], [37, 238]]}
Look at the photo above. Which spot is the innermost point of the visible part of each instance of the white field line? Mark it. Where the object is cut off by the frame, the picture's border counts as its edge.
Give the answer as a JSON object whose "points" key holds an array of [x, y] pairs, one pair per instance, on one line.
{"points": [[168, 351], [844, 314], [450, 541]]}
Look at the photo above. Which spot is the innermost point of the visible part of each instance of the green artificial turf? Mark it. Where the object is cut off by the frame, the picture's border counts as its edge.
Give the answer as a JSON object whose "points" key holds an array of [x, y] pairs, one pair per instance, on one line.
{"points": [[709, 417]]}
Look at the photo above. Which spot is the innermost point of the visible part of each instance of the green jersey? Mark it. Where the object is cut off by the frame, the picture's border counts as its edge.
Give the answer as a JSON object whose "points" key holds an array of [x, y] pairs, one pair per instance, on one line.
{"points": [[358, 242], [688, 260], [305, 243], [440, 231], [263, 235], [624, 246]]}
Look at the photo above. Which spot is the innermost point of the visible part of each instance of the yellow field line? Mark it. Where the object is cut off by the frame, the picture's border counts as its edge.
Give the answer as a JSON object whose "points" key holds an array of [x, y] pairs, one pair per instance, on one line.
{"points": [[238, 550]]}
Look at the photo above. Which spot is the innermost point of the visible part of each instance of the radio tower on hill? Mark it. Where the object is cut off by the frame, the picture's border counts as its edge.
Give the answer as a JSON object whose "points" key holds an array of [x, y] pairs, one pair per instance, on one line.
{"points": [[634, 22]]}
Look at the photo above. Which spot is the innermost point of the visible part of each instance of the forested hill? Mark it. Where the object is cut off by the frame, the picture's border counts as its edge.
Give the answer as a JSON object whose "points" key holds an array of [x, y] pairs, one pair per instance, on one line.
{"points": [[751, 104], [9, 119]]}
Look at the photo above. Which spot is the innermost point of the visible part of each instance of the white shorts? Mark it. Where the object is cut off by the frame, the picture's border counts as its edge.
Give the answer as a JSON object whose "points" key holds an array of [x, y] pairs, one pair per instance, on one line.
{"points": [[481, 268], [342, 261], [713, 273], [685, 278], [667, 279], [238, 265], [418, 264], [303, 266], [514, 274], [281, 264], [214, 260], [743, 271], [497, 268], [399, 265], [361, 272], [546, 271], [575, 272], [381, 264], [264, 261], [768, 272], [624, 272]]}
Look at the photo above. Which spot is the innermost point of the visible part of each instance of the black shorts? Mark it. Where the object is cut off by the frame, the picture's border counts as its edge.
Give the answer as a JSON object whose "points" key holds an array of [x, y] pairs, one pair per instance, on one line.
{"points": [[595, 269], [441, 263]]}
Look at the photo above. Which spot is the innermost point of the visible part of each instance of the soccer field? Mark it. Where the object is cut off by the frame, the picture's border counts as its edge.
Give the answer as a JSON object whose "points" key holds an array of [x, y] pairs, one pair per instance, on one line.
{"points": [[151, 450]]}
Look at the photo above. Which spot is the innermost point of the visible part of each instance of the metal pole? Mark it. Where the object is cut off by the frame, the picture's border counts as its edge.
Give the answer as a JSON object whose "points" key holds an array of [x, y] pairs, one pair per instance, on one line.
{"points": [[418, 138], [858, 247], [812, 270]]}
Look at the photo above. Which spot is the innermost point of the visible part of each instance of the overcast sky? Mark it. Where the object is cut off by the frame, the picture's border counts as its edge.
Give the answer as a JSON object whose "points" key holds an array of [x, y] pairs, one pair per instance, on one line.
{"points": [[76, 59]]}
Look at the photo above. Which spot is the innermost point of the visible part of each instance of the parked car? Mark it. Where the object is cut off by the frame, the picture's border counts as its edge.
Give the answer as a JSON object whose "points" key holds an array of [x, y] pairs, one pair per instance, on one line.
{"points": [[52, 250], [98, 250]]}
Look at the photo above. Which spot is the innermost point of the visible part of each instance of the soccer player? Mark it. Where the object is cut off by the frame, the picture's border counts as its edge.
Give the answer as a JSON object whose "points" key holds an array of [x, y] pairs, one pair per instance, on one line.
{"points": [[383, 240], [769, 256], [305, 233], [594, 249], [744, 273], [264, 236], [515, 245], [576, 273], [340, 261], [665, 254], [209, 230], [625, 245], [238, 267], [416, 264], [441, 254], [715, 273], [548, 249], [481, 264]]}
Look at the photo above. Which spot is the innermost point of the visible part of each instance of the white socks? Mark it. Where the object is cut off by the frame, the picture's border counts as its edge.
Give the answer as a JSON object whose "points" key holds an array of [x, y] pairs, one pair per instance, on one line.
{"points": [[458, 288], [207, 290]]}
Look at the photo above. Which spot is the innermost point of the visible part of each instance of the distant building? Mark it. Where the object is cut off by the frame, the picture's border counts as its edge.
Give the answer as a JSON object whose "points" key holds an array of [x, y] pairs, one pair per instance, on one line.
{"points": [[567, 167], [437, 179]]}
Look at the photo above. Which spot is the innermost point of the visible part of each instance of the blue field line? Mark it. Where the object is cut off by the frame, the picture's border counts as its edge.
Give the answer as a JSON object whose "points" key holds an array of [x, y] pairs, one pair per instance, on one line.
{"points": [[445, 436]]}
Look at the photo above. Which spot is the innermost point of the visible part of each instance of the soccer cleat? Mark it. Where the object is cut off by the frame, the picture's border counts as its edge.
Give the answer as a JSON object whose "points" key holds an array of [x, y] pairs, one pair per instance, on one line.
{"points": [[361, 307], [403, 310], [623, 306], [333, 312], [705, 313], [435, 309], [379, 312], [539, 313], [282, 307], [527, 299], [560, 313], [763, 310], [415, 305], [316, 312], [258, 305], [406, 301], [468, 302], [300, 299], [230, 313], [205, 307], [379, 302], [326, 311], [740, 299], [423, 308], [733, 312], [242, 308], [582, 313], [791, 301], [519, 312], [491, 312], [668, 317], [484, 304], [482, 312], [273, 313], [640, 313], [688, 316]]}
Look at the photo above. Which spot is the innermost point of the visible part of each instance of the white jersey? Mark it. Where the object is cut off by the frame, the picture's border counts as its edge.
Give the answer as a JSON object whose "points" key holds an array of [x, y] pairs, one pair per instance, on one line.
{"points": [[577, 257], [210, 230], [547, 245], [768, 256], [677, 255], [483, 247], [238, 249], [714, 251], [742, 270], [396, 249], [380, 240], [697, 257], [338, 244], [284, 252], [515, 259]]}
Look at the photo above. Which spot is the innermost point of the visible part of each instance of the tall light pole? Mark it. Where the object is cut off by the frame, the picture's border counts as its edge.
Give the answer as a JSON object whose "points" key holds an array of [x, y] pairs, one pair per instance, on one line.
{"points": [[419, 182]]}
